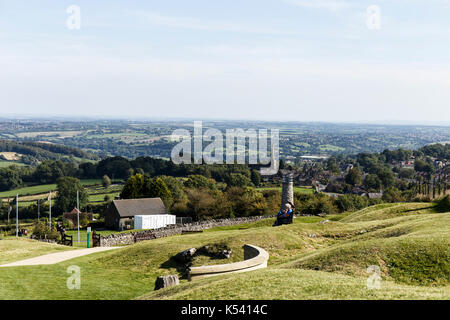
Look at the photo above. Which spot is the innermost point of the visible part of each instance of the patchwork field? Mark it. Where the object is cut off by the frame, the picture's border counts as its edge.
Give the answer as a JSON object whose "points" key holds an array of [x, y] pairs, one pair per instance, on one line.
{"points": [[314, 258], [37, 192], [5, 164], [11, 156]]}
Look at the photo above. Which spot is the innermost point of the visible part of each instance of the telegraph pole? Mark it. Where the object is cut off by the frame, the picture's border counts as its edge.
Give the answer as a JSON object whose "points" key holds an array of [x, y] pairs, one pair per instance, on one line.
{"points": [[17, 215], [78, 216], [50, 211], [9, 210]]}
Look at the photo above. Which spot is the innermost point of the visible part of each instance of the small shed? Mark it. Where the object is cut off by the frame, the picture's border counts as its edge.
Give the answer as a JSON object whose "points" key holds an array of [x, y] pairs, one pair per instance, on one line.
{"points": [[121, 213]]}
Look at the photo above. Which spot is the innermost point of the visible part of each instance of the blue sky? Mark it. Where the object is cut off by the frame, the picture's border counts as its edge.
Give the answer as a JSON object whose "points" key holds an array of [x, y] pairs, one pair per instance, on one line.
{"points": [[302, 60]]}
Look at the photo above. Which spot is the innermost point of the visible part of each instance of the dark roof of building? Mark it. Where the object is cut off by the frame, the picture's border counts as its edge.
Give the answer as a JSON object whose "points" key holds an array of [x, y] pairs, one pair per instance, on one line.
{"points": [[139, 207]]}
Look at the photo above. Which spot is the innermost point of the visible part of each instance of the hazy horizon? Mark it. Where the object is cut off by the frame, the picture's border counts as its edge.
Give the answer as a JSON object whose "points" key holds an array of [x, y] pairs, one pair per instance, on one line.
{"points": [[77, 117], [266, 60]]}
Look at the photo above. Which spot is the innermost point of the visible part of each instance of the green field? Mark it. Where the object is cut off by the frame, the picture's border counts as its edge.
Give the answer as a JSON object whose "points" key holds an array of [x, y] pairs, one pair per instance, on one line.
{"points": [[33, 190], [308, 260], [4, 163], [305, 190]]}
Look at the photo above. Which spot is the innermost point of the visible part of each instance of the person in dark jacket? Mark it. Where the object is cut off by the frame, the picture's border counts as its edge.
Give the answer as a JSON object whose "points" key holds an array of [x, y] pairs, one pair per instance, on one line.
{"points": [[285, 215]]}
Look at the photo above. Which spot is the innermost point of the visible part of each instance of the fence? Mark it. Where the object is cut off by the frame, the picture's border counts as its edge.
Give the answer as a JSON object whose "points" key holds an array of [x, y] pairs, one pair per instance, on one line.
{"points": [[96, 240], [66, 240]]}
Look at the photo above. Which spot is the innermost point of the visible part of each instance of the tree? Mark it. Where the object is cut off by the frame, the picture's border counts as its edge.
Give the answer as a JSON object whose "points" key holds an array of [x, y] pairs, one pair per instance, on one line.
{"points": [[353, 177], [66, 198], [49, 171], [106, 181], [317, 204], [197, 181], [386, 176], [238, 180], [200, 203], [156, 188], [175, 186], [9, 178], [351, 202], [372, 182], [139, 186], [134, 187], [246, 201], [405, 173], [115, 167], [392, 195], [423, 166], [255, 177]]}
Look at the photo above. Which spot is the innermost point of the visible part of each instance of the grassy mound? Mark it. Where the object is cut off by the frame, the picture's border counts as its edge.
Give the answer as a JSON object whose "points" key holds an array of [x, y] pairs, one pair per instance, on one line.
{"points": [[411, 250], [277, 284], [412, 261], [388, 211]]}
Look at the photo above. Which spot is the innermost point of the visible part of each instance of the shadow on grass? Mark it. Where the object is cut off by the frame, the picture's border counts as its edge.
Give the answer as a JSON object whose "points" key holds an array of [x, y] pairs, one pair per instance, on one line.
{"points": [[426, 208], [212, 251], [182, 269]]}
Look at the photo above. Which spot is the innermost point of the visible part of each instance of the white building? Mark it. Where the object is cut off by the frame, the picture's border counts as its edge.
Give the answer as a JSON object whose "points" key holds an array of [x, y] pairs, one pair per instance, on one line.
{"points": [[154, 221]]}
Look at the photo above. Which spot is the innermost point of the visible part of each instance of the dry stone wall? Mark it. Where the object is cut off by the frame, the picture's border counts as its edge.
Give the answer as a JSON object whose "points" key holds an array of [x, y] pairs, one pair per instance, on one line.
{"points": [[133, 237]]}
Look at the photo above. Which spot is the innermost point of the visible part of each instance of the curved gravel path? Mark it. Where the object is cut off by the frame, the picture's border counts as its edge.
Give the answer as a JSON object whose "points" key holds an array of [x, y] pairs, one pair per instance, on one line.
{"points": [[57, 257]]}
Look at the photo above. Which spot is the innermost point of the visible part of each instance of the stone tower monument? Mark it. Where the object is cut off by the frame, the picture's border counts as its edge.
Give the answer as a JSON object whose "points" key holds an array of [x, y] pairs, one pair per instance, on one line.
{"points": [[287, 192]]}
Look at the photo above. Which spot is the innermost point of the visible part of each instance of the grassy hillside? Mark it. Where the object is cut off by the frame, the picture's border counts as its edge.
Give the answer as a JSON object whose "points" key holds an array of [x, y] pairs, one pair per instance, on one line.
{"points": [[38, 151], [43, 188], [308, 260], [389, 210], [14, 250]]}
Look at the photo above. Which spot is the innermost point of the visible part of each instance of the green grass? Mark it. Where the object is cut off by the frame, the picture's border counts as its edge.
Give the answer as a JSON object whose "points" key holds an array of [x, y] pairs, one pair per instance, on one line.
{"points": [[389, 210], [33, 190], [4, 163], [13, 249], [296, 189], [276, 284], [308, 260], [101, 197]]}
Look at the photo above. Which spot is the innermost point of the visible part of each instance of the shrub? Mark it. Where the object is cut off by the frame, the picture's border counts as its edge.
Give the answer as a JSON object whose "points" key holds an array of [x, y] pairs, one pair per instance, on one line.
{"points": [[317, 204], [67, 224], [352, 202], [41, 230], [392, 195], [443, 205]]}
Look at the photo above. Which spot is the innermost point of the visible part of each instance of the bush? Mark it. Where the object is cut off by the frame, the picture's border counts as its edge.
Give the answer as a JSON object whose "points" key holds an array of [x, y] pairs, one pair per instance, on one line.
{"points": [[392, 195], [41, 230], [98, 208], [352, 202], [97, 224], [67, 224], [443, 205], [317, 204]]}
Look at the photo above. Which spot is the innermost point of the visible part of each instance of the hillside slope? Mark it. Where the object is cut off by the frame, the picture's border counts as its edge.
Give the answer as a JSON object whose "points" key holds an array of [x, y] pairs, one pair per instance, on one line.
{"points": [[308, 260], [30, 152]]}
